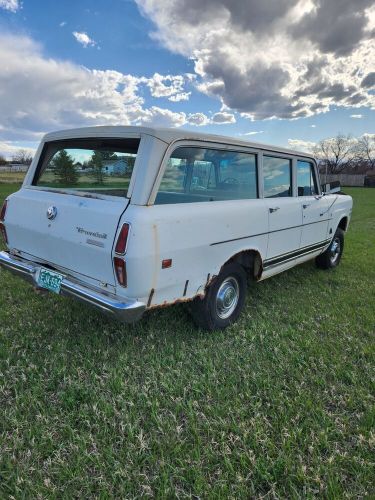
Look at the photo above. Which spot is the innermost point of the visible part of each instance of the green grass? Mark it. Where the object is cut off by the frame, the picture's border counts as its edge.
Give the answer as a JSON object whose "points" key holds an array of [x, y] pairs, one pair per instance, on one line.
{"points": [[279, 405]]}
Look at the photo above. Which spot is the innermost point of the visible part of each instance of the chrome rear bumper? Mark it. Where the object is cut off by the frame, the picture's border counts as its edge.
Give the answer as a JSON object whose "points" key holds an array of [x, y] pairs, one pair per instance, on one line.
{"points": [[126, 310]]}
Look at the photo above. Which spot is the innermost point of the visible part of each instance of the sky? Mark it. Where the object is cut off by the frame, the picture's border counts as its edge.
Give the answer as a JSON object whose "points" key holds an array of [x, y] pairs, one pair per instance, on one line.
{"points": [[283, 72]]}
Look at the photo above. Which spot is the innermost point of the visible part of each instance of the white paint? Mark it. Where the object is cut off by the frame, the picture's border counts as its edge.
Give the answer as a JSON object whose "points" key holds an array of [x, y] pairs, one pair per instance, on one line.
{"points": [[199, 237]]}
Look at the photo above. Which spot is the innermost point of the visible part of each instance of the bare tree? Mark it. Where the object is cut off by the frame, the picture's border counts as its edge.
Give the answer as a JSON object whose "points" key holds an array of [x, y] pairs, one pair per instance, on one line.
{"points": [[2, 160], [336, 153], [365, 150], [23, 157]]}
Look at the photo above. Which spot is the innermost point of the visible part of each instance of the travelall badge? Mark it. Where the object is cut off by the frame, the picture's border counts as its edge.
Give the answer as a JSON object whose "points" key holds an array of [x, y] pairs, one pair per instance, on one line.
{"points": [[51, 212]]}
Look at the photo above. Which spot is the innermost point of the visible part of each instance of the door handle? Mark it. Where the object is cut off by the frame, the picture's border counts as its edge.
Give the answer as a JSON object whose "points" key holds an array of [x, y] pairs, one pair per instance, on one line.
{"points": [[274, 209], [306, 205]]}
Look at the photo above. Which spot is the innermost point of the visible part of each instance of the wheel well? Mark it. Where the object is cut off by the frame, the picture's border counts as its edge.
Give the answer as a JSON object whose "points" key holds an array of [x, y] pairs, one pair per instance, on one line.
{"points": [[251, 261], [343, 224]]}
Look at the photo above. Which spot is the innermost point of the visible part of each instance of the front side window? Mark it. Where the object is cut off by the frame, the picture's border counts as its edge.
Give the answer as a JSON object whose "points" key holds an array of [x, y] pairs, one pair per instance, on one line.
{"points": [[277, 175], [306, 181], [102, 166], [199, 174]]}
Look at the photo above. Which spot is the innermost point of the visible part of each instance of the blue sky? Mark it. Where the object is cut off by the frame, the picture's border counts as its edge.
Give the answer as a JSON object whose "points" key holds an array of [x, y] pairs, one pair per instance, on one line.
{"points": [[194, 64]]}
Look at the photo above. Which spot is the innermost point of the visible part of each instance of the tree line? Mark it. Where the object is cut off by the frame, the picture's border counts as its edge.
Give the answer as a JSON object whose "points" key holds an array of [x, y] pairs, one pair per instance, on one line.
{"points": [[345, 154], [21, 157]]}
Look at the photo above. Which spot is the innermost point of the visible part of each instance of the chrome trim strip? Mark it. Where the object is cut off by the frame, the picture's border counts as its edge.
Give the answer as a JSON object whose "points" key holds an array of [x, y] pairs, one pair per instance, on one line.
{"points": [[297, 253], [269, 232], [126, 310], [278, 261]]}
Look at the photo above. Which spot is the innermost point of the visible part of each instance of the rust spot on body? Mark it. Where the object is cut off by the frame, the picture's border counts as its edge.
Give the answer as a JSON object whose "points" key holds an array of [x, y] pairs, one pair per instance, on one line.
{"points": [[172, 302]]}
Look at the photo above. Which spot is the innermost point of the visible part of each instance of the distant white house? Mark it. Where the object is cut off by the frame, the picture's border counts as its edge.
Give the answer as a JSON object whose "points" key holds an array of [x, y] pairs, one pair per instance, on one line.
{"points": [[115, 167], [110, 167]]}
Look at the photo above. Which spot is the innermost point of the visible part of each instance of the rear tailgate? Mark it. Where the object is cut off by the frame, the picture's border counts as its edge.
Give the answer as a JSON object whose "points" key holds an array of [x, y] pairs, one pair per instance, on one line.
{"points": [[79, 238]]}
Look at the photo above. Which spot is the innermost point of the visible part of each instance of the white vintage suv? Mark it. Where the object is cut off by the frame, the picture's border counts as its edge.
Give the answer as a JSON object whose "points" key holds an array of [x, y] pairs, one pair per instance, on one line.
{"points": [[132, 218]]}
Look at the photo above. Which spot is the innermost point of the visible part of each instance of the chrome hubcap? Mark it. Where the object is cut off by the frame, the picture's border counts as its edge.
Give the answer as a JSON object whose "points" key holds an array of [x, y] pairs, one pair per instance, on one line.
{"points": [[227, 297], [335, 250]]}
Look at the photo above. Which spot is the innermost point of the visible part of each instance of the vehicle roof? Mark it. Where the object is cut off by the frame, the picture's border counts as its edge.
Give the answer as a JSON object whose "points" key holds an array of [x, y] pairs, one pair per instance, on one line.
{"points": [[168, 135]]}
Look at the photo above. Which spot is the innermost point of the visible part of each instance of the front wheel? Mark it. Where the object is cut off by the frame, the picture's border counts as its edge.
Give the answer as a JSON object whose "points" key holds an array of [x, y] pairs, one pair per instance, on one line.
{"points": [[332, 256], [224, 299]]}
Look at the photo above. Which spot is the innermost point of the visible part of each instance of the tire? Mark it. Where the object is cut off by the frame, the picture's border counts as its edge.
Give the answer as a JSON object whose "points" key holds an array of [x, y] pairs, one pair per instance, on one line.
{"points": [[332, 256], [224, 299]]}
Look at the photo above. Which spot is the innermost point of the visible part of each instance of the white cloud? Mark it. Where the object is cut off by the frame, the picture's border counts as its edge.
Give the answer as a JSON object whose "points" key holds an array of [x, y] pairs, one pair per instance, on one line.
{"points": [[165, 86], [313, 126], [84, 39], [171, 87], [9, 148], [198, 119], [39, 94], [254, 132], [301, 145], [285, 59], [181, 96], [162, 117], [271, 191], [356, 116], [11, 5], [270, 173], [62, 24], [223, 117]]}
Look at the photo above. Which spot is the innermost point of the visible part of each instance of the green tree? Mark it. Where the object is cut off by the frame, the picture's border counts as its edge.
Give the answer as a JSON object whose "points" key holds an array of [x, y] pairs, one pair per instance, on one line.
{"points": [[97, 166], [130, 160], [108, 155], [64, 168]]}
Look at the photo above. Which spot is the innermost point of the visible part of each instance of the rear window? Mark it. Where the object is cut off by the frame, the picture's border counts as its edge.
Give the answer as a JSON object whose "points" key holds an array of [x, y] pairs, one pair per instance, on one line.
{"points": [[102, 166]]}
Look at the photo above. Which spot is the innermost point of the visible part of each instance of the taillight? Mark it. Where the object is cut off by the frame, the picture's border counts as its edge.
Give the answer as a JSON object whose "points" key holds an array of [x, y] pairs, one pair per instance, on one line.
{"points": [[2, 218], [120, 270], [120, 249], [122, 239], [3, 210]]}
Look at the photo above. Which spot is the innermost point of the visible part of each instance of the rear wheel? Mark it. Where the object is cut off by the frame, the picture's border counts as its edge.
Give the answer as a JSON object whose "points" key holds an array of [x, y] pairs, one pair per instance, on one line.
{"points": [[224, 299], [332, 256]]}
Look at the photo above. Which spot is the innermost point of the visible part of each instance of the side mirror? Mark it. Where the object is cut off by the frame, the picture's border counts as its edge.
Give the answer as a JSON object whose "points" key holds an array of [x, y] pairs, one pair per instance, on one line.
{"points": [[331, 187]]}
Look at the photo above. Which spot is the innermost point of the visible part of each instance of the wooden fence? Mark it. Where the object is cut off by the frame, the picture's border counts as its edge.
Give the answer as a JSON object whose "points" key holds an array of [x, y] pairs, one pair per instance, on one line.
{"points": [[13, 168], [354, 180]]}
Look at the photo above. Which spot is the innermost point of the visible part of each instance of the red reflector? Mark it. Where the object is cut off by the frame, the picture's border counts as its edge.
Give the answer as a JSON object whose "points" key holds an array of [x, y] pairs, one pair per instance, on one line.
{"points": [[120, 270], [3, 210], [166, 263], [3, 232], [122, 240]]}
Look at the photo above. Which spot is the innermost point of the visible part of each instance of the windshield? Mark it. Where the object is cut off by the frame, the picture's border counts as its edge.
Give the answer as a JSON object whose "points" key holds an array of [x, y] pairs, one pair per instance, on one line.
{"points": [[102, 166]]}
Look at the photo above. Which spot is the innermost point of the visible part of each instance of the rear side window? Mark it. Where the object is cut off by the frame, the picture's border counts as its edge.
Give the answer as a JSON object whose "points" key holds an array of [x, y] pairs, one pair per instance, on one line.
{"points": [[200, 174], [102, 166], [175, 175], [306, 181], [277, 175]]}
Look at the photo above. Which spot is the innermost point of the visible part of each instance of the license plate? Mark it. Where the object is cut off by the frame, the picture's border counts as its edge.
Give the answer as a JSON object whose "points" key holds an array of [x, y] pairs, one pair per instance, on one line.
{"points": [[50, 280]]}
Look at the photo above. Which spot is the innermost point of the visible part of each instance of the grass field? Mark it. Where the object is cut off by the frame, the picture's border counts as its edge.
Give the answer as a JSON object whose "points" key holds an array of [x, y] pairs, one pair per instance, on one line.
{"points": [[11, 178], [279, 405]]}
